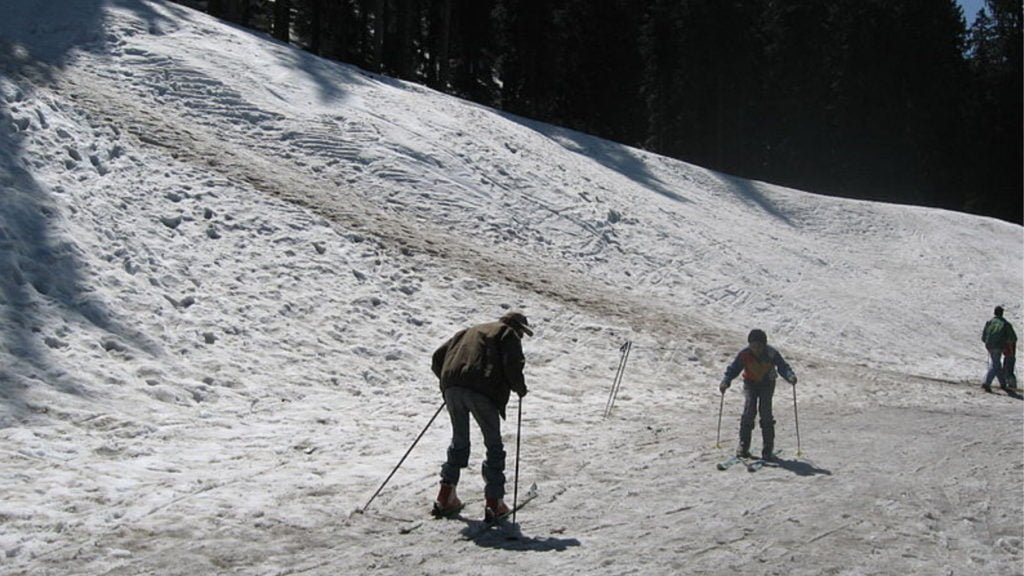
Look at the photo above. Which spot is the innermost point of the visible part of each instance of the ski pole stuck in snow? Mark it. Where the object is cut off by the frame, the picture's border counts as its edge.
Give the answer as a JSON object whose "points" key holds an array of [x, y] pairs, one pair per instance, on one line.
{"points": [[796, 421], [519, 436], [617, 383], [718, 435]]}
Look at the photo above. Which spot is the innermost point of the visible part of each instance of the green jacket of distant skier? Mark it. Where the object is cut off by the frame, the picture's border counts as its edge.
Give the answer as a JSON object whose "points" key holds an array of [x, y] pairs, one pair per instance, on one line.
{"points": [[997, 333]]}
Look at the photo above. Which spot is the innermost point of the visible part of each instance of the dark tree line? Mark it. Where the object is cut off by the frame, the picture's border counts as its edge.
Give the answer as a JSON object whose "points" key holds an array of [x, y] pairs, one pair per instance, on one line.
{"points": [[894, 100]]}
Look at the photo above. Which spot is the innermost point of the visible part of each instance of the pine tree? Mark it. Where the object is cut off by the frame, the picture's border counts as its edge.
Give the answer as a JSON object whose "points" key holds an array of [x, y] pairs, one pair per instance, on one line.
{"points": [[996, 114], [600, 68], [475, 51], [796, 141], [529, 50], [282, 20]]}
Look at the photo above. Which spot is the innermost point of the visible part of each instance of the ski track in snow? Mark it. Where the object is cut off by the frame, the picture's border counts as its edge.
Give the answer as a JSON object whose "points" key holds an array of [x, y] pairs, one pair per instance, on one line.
{"points": [[227, 276]]}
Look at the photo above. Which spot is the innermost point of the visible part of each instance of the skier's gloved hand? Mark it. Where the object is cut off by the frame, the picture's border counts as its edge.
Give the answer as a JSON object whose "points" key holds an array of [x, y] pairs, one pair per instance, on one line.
{"points": [[522, 392], [723, 386], [792, 380]]}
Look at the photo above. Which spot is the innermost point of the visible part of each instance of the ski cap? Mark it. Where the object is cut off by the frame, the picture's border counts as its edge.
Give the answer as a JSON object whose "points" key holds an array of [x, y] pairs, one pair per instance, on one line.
{"points": [[998, 311], [517, 320], [757, 335]]}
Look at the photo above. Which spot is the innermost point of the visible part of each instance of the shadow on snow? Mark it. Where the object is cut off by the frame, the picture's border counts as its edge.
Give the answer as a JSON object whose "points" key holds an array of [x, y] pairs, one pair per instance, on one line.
{"points": [[799, 467], [38, 268], [508, 536], [615, 157], [748, 191]]}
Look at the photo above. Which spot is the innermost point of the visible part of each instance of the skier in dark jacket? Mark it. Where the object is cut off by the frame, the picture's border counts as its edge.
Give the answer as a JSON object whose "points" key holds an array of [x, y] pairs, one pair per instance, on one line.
{"points": [[761, 364], [996, 335], [1009, 363], [478, 369]]}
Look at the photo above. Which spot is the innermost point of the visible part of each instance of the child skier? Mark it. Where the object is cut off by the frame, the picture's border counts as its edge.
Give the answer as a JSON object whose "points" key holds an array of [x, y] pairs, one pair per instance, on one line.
{"points": [[761, 364]]}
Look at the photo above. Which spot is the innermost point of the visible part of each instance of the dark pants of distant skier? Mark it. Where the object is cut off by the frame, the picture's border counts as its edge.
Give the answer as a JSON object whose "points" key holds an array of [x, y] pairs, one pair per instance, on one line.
{"points": [[758, 401], [995, 367], [463, 402]]}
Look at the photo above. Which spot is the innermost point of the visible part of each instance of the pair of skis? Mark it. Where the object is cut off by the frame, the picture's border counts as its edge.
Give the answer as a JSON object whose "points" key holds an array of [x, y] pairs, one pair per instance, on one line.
{"points": [[475, 528], [456, 513], [752, 464]]}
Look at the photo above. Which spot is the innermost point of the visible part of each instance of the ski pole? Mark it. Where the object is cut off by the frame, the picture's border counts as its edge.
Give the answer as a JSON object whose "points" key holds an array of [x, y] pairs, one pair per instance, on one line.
{"points": [[796, 419], [399, 465], [615, 381], [625, 348], [515, 485], [718, 437]]}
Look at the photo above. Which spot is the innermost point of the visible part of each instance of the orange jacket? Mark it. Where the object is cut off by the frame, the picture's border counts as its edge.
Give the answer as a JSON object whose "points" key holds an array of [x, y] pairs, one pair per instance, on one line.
{"points": [[758, 370]]}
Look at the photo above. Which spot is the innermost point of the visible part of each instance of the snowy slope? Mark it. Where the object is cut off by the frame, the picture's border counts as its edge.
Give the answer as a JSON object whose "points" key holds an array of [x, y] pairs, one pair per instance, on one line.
{"points": [[226, 263]]}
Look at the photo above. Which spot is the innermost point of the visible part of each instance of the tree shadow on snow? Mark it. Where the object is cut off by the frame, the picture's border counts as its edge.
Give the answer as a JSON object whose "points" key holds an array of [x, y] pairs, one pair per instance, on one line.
{"points": [[749, 191], [508, 536], [799, 467], [613, 156], [38, 268]]}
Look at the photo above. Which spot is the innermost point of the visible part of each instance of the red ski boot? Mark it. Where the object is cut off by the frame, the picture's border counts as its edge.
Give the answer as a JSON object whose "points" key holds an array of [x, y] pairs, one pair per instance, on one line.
{"points": [[447, 503]]}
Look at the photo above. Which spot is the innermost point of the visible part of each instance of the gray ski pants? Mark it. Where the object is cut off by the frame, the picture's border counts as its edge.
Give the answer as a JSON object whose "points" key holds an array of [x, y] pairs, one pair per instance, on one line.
{"points": [[461, 403]]}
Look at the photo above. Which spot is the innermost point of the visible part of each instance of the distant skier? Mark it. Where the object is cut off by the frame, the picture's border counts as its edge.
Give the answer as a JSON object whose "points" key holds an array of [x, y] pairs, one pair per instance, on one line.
{"points": [[761, 364], [1009, 362], [997, 334], [478, 368]]}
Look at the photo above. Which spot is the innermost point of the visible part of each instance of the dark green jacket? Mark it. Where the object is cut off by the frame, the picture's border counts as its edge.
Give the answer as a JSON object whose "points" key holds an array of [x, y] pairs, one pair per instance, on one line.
{"points": [[997, 333], [487, 358]]}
